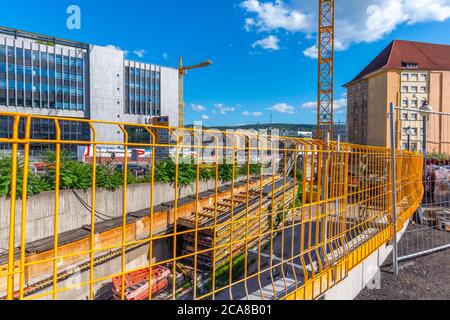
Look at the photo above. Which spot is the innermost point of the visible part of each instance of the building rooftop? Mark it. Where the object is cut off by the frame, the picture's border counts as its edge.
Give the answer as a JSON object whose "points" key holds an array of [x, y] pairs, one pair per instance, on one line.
{"points": [[52, 41], [401, 54], [42, 38]]}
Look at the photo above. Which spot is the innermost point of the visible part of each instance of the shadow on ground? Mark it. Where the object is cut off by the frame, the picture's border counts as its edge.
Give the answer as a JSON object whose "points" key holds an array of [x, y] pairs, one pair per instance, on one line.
{"points": [[424, 278]]}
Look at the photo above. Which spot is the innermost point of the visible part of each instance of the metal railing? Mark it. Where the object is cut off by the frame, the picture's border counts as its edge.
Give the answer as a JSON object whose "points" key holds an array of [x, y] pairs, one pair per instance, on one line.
{"points": [[426, 132], [256, 233]]}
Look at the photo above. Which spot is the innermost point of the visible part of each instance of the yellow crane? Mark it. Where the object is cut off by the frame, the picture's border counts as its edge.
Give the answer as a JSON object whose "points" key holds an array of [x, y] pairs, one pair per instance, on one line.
{"points": [[325, 112], [182, 71]]}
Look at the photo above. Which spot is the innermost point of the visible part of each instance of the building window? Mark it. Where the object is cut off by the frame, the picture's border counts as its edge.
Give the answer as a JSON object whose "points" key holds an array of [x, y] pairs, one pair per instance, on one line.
{"points": [[423, 77], [413, 103], [404, 88], [414, 77], [413, 116], [404, 146], [44, 129], [423, 89], [405, 103], [410, 65], [36, 80], [142, 91], [404, 116], [413, 88], [405, 77]]}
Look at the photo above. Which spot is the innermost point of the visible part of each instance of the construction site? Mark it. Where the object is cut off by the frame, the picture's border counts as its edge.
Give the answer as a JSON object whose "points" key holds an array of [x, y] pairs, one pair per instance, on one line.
{"points": [[169, 212]]}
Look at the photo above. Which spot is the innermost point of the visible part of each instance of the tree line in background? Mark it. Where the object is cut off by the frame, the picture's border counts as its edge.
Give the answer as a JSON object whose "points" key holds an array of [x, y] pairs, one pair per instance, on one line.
{"points": [[77, 175]]}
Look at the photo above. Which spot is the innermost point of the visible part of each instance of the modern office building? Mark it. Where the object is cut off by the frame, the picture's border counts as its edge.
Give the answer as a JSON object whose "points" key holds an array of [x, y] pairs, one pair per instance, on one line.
{"points": [[43, 75], [406, 73]]}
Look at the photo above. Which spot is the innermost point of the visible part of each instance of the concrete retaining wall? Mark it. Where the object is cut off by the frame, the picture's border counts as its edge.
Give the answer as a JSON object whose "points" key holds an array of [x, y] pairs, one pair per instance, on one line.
{"points": [[72, 213]]}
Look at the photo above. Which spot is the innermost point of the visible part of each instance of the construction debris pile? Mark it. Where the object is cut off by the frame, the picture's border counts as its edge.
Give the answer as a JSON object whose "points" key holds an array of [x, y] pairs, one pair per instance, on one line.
{"points": [[436, 213], [437, 217], [137, 283]]}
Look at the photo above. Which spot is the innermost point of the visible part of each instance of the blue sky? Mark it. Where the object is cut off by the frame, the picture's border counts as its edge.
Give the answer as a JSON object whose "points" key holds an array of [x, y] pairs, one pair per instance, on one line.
{"points": [[259, 48]]}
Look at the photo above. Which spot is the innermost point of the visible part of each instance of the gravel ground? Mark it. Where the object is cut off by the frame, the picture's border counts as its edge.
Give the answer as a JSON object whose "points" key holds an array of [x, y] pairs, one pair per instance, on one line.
{"points": [[424, 278]]}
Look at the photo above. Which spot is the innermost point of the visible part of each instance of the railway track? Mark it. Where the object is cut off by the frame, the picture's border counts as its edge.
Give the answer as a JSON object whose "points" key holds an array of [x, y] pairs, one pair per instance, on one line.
{"points": [[64, 275]]}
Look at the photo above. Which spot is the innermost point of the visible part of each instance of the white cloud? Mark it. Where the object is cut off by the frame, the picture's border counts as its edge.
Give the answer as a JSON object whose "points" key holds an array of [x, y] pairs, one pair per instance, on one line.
{"points": [[270, 43], [140, 53], [197, 107], [205, 117], [283, 108], [165, 56], [311, 105], [362, 21], [275, 15], [340, 105], [311, 52], [251, 114], [223, 109], [249, 23]]}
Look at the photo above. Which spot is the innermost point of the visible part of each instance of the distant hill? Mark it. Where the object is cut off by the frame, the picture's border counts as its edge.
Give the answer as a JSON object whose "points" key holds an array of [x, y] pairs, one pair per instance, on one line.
{"points": [[284, 128]]}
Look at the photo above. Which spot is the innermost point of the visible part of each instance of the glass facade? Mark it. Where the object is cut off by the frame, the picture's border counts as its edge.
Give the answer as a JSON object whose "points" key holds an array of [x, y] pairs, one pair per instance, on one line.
{"points": [[142, 91], [44, 129], [35, 79]]}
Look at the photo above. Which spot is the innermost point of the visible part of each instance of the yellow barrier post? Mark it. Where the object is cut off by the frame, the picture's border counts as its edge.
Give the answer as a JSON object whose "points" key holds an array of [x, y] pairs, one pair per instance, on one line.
{"points": [[12, 208], [23, 230]]}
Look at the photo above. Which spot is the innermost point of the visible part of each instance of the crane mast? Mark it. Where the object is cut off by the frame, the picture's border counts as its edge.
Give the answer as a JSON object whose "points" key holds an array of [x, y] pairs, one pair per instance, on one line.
{"points": [[325, 99], [181, 73]]}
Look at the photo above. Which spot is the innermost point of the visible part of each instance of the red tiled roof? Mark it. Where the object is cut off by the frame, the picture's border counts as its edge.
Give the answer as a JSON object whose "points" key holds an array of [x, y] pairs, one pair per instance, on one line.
{"points": [[427, 56]]}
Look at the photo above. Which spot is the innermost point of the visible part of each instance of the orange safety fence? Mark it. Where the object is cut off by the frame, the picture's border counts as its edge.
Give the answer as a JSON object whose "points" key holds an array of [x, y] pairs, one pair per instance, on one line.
{"points": [[225, 214]]}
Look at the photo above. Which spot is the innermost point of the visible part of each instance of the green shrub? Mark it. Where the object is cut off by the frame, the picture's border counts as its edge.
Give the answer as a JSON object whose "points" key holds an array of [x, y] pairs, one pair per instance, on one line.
{"points": [[72, 174], [165, 171], [5, 176], [207, 173], [226, 172], [439, 156], [36, 184], [108, 178], [255, 169], [78, 175]]}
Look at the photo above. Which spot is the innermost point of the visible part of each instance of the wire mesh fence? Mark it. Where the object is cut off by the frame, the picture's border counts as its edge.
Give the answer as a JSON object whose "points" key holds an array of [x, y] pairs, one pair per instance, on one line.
{"points": [[429, 230], [190, 213]]}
